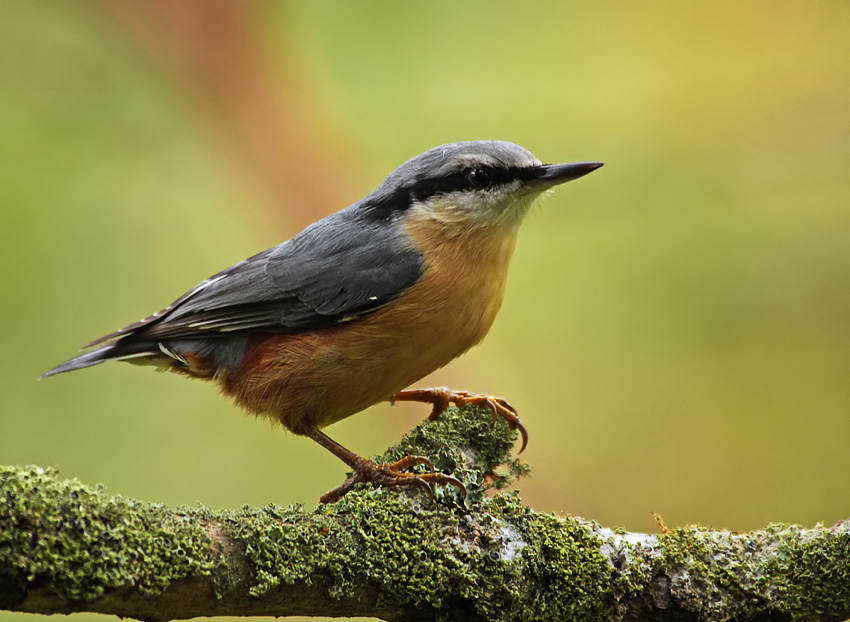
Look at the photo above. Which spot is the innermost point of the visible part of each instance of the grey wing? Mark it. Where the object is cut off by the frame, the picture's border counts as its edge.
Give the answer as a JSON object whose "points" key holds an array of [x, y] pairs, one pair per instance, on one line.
{"points": [[335, 270]]}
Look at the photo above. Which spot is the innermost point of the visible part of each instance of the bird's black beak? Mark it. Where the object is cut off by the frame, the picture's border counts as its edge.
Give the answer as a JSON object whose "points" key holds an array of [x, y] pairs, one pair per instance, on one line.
{"points": [[553, 174]]}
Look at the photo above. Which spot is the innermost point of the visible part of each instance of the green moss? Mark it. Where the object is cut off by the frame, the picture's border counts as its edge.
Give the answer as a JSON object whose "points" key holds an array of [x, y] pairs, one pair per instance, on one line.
{"points": [[684, 546], [451, 558], [475, 558], [87, 542], [786, 571], [560, 574], [808, 573], [480, 558], [400, 541], [488, 563]]}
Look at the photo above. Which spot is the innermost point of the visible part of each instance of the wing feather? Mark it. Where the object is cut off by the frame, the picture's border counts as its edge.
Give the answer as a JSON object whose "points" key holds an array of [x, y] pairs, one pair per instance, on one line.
{"points": [[335, 270]]}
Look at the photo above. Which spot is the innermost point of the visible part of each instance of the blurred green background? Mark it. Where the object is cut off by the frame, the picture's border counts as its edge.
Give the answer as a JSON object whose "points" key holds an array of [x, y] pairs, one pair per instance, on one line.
{"points": [[676, 332]]}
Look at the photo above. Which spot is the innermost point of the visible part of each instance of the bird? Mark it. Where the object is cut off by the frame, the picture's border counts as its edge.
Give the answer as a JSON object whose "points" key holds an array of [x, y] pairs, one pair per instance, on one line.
{"points": [[360, 305]]}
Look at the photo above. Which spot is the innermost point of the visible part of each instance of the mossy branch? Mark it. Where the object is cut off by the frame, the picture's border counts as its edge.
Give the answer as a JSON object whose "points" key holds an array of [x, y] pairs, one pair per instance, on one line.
{"points": [[66, 547]]}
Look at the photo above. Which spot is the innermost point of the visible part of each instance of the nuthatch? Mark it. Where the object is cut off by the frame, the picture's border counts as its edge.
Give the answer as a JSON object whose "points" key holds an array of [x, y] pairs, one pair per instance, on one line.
{"points": [[359, 305]]}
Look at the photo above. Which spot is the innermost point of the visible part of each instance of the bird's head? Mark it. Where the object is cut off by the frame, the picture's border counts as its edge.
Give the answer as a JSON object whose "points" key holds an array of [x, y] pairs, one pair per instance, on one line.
{"points": [[483, 183]]}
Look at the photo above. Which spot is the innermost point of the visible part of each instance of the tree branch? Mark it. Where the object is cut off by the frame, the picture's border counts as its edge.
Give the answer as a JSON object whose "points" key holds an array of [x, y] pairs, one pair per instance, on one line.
{"points": [[66, 547]]}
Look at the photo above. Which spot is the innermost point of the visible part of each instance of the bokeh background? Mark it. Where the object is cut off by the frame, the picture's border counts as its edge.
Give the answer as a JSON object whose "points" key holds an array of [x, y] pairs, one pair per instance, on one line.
{"points": [[676, 332]]}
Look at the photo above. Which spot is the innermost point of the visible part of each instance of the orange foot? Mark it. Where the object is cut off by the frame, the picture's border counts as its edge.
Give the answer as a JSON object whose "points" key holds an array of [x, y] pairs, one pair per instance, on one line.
{"points": [[388, 475], [442, 397]]}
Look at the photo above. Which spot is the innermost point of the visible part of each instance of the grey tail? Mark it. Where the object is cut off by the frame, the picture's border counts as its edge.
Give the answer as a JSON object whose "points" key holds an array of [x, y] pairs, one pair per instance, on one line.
{"points": [[115, 351]]}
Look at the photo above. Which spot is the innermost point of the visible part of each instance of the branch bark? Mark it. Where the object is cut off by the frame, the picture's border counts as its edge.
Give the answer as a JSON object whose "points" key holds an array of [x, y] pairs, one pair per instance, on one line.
{"points": [[67, 547]]}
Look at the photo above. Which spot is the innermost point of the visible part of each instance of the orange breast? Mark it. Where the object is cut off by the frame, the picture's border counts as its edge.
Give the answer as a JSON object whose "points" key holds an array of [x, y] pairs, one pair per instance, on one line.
{"points": [[321, 376]]}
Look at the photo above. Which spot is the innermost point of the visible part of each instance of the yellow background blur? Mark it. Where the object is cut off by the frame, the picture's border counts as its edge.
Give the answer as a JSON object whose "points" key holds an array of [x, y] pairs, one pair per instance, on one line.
{"points": [[676, 332]]}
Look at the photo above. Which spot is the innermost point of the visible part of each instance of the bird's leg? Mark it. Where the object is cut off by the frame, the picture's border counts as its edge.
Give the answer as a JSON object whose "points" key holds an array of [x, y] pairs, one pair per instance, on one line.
{"points": [[442, 397], [387, 475]]}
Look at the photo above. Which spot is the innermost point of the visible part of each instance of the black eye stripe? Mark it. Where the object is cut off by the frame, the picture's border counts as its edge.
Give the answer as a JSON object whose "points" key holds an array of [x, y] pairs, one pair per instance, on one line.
{"points": [[401, 198], [463, 180]]}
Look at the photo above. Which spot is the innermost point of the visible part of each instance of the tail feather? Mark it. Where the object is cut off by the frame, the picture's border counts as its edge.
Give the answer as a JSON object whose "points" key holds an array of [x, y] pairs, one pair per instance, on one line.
{"points": [[116, 351]]}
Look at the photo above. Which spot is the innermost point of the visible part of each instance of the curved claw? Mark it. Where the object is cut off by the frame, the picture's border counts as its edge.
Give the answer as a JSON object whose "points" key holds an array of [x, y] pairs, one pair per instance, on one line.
{"points": [[494, 410], [424, 486], [457, 484], [509, 415], [523, 434]]}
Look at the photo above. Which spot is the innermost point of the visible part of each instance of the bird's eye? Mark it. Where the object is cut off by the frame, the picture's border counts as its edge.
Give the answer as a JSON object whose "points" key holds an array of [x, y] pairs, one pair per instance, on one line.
{"points": [[479, 177]]}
